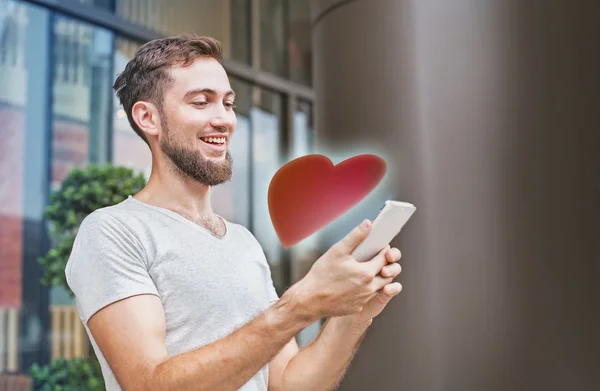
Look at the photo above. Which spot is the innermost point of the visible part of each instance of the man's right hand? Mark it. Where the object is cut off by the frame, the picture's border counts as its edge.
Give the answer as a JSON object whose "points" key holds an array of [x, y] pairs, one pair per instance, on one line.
{"points": [[337, 284]]}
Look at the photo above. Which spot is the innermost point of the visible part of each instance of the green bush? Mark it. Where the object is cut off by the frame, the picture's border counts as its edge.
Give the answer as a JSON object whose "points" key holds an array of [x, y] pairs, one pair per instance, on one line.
{"points": [[82, 192], [68, 375]]}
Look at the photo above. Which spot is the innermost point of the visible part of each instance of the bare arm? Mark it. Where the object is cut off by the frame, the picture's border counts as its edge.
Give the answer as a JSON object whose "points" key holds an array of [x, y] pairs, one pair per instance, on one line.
{"points": [[131, 334], [322, 365]]}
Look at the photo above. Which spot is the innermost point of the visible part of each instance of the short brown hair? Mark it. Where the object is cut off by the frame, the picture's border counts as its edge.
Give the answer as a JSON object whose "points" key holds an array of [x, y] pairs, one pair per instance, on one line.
{"points": [[146, 78]]}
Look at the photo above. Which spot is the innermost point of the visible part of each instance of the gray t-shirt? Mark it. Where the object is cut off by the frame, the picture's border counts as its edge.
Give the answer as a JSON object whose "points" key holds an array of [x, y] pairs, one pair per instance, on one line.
{"points": [[209, 286]]}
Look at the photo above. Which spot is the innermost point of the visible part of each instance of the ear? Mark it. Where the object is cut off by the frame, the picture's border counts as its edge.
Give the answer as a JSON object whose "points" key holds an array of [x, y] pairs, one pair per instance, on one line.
{"points": [[147, 117]]}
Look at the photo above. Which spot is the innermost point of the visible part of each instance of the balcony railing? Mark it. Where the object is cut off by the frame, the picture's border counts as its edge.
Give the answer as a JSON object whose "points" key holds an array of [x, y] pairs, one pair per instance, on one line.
{"points": [[9, 339], [68, 337]]}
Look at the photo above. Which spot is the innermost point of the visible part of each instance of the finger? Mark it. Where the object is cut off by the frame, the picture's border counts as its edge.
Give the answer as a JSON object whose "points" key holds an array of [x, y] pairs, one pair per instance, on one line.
{"points": [[392, 270], [393, 255], [392, 289], [380, 282], [377, 263], [354, 238], [386, 294]]}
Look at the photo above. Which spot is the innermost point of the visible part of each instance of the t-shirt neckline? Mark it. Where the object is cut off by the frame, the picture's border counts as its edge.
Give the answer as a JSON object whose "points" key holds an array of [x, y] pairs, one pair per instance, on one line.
{"points": [[182, 219]]}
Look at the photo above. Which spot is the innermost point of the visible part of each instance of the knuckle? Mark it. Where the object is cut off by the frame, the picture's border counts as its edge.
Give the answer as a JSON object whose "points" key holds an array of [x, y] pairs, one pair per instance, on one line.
{"points": [[336, 251], [366, 276]]}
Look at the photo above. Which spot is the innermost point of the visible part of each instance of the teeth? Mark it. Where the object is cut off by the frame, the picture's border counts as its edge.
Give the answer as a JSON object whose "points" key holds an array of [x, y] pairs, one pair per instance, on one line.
{"points": [[218, 140]]}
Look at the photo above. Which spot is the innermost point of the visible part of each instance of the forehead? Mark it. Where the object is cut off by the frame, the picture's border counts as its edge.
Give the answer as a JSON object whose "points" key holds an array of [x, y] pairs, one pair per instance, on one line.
{"points": [[204, 72]]}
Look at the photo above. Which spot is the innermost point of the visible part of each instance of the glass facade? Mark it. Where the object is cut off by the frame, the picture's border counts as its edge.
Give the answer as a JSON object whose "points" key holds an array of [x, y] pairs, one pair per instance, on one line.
{"points": [[126, 147], [299, 42], [25, 118], [81, 91], [228, 21], [58, 111], [266, 159], [285, 47]]}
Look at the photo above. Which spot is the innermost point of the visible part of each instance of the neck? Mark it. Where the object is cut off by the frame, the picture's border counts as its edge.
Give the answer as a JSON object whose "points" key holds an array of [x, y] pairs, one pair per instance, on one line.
{"points": [[169, 188]]}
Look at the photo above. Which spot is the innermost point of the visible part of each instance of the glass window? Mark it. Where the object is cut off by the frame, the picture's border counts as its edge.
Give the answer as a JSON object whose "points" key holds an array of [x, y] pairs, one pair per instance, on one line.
{"points": [[273, 36], [299, 42], [241, 35], [285, 39], [128, 149], [106, 4], [303, 137], [227, 21], [267, 125], [13, 100], [24, 125], [81, 91]]}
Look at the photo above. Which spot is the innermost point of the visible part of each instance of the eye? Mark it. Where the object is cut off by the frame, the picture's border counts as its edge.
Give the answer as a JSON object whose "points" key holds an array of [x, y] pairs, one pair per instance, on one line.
{"points": [[200, 104], [230, 105]]}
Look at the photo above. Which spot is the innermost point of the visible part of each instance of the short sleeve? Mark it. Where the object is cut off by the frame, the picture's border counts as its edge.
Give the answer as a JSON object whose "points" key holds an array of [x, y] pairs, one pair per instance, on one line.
{"points": [[107, 264]]}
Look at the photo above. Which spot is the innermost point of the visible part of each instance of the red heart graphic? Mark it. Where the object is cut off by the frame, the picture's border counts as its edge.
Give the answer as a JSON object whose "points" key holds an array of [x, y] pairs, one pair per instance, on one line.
{"points": [[309, 192]]}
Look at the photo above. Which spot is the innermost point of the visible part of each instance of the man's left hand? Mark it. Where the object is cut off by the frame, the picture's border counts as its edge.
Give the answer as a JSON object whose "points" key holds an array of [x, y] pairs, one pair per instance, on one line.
{"points": [[378, 303]]}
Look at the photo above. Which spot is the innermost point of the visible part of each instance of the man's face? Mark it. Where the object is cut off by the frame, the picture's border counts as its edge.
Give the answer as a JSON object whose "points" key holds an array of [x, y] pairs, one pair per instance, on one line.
{"points": [[198, 121]]}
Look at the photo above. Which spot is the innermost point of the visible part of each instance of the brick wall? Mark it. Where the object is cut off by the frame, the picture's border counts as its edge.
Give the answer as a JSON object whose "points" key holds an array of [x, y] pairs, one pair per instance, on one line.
{"points": [[11, 254], [12, 130]]}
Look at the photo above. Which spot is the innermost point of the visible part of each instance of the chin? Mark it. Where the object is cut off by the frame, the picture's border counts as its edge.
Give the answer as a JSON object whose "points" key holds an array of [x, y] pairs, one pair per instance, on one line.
{"points": [[222, 156]]}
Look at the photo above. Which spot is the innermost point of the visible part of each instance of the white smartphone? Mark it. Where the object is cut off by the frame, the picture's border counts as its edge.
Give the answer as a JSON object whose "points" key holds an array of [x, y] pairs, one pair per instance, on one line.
{"points": [[386, 226]]}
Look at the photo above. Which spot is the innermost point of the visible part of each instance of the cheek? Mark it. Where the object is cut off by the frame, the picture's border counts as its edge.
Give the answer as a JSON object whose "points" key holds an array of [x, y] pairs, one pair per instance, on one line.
{"points": [[194, 121]]}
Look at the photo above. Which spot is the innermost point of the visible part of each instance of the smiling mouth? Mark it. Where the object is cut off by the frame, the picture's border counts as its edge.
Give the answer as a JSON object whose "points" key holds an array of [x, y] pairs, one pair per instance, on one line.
{"points": [[214, 140]]}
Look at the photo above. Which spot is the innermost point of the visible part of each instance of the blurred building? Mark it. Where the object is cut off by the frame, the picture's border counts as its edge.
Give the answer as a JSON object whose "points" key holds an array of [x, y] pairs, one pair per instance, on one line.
{"points": [[58, 61], [487, 115]]}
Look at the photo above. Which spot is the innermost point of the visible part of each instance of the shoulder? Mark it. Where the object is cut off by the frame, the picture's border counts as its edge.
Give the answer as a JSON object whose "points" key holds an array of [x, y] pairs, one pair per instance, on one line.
{"points": [[103, 241], [106, 230], [118, 218], [97, 224]]}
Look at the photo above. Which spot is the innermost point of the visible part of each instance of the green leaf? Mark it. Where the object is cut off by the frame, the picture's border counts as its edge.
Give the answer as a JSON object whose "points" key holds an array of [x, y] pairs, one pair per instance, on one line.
{"points": [[78, 374], [81, 192]]}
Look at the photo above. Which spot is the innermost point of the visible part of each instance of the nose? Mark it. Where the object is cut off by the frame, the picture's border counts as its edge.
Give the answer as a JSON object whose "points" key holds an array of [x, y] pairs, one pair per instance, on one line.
{"points": [[223, 118]]}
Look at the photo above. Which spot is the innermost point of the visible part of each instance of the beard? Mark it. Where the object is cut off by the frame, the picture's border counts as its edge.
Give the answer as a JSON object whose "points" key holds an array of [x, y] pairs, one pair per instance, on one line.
{"points": [[193, 165]]}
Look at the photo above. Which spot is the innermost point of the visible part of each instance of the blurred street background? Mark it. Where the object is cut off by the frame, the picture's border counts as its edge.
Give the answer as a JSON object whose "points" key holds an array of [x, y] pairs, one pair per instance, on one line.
{"points": [[486, 112]]}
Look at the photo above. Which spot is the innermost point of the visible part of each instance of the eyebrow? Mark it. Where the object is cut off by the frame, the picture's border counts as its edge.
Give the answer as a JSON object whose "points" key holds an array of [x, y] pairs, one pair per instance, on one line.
{"points": [[209, 91]]}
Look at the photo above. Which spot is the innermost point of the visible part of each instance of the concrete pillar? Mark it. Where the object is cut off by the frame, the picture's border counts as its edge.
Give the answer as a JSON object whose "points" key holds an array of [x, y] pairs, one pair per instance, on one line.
{"points": [[487, 114]]}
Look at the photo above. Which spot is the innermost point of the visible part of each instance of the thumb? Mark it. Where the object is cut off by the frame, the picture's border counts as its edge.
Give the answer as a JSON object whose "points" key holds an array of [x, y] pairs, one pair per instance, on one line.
{"points": [[355, 237]]}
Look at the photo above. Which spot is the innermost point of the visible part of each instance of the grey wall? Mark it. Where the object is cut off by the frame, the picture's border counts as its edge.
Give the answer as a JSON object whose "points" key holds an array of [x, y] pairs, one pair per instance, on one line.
{"points": [[487, 113]]}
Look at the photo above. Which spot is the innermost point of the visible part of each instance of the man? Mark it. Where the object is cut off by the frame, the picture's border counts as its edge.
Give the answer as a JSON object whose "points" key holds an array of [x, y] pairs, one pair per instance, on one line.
{"points": [[173, 296]]}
